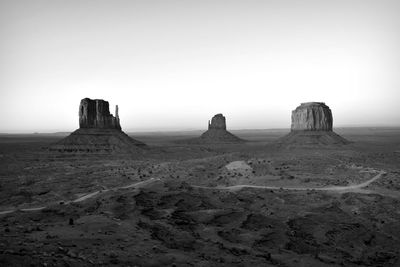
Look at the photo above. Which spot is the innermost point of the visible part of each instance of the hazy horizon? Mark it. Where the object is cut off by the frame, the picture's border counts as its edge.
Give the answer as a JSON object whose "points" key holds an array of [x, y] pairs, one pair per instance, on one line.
{"points": [[184, 130], [172, 65]]}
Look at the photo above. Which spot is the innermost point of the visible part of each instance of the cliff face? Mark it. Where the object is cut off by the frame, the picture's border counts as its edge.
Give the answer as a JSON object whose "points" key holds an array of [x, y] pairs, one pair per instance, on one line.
{"points": [[96, 114], [311, 127], [217, 122], [99, 132], [312, 116], [217, 132]]}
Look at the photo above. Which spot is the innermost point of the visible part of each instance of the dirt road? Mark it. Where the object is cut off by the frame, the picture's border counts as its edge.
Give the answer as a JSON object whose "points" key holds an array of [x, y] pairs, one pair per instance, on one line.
{"points": [[231, 188], [328, 188], [86, 196]]}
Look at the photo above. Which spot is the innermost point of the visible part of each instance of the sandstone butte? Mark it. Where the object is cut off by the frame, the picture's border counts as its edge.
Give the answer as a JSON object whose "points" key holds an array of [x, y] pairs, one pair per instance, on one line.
{"points": [[99, 132], [96, 114], [217, 133], [312, 124]]}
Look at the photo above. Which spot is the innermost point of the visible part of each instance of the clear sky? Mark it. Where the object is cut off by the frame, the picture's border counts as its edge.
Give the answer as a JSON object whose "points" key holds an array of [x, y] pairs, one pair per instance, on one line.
{"points": [[172, 65]]}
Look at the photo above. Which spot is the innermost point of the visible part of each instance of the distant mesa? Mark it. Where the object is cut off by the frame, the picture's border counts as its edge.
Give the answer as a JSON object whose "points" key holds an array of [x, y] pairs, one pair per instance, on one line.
{"points": [[312, 116], [96, 114], [312, 124], [99, 132], [218, 122], [216, 133]]}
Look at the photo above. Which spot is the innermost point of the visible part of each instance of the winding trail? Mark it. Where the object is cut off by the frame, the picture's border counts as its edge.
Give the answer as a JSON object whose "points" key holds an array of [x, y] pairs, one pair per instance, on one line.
{"points": [[85, 196], [231, 188], [327, 188]]}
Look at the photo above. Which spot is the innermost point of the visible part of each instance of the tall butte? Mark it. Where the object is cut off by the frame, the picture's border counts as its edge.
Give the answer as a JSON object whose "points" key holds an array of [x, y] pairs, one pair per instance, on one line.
{"points": [[216, 133], [312, 125], [99, 132], [96, 114]]}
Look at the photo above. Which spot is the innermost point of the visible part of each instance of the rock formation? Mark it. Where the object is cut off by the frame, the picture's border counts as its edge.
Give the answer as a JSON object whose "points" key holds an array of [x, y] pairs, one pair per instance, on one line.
{"points": [[99, 132], [312, 116], [312, 125], [216, 133], [96, 114], [218, 122]]}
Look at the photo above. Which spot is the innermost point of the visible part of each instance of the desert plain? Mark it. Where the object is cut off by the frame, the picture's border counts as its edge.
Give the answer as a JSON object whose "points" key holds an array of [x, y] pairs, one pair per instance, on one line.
{"points": [[256, 203]]}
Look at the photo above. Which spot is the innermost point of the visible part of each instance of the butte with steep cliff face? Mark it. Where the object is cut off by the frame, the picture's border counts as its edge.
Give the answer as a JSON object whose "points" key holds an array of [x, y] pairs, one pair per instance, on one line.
{"points": [[96, 114], [99, 132], [312, 125], [217, 133]]}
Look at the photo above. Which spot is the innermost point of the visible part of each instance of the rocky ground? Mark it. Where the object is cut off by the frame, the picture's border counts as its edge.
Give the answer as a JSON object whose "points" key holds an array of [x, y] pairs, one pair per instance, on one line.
{"points": [[178, 212]]}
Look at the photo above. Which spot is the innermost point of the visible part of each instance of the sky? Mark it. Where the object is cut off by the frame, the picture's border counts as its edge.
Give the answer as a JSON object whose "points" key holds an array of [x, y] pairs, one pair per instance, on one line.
{"points": [[173, 64]]}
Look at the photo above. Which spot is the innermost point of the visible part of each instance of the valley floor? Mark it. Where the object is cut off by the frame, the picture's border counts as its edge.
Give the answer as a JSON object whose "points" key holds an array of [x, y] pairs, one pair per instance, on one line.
{"points": [[196, 205]]}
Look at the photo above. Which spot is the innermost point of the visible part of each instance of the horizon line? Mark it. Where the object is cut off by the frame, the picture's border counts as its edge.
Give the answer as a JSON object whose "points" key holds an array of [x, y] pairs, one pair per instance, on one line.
{"points": [[197, 129]]}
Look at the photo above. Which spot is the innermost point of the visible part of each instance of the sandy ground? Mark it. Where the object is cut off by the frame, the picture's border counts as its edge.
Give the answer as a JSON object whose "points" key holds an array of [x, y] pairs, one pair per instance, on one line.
{"points": [[181, 205]]}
